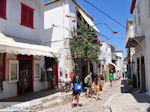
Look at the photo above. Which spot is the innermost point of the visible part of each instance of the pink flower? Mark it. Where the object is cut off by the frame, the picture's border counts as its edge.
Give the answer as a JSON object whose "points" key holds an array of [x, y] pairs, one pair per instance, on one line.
{"points": [[75, 57], [115, 32], [73, 21], [66, 15], [97, 39], [81, 52]]}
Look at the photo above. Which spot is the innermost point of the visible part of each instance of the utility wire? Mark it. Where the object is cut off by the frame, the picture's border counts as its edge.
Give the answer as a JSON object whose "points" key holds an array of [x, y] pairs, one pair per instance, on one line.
{"points": [[105, 14]]}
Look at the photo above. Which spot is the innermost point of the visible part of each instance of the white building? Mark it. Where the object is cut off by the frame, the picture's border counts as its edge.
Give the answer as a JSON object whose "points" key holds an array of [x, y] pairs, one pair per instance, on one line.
{"points": [[140, 9], [21, 50], [111, 58], [119, 62], [131, 51], [57, 27]]}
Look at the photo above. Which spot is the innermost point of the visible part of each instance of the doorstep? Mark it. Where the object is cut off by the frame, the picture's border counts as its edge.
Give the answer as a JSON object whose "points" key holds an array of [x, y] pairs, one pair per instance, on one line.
{"points": [[30, 96]]}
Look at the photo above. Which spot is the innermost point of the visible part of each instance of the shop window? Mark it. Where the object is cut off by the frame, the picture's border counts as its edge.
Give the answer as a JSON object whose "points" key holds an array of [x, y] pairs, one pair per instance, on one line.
{"points": [[26, 16], [13, 70], [37, 70], [3, 9]]}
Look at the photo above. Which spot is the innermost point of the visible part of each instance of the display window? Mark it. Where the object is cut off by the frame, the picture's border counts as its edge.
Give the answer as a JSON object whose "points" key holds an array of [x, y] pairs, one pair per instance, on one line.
{"points": [[37, 69], [13, 70]]}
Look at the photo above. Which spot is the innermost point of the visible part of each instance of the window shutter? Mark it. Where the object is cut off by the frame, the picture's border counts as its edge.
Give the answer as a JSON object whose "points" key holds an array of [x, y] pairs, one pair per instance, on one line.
{"points": [[30, 18], [26, 16], [3, 9], [23, 15]]}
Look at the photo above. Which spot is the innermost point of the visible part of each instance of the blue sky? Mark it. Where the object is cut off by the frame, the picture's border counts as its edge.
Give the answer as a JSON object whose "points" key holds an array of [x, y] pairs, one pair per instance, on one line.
{"points": [[118, 9]]}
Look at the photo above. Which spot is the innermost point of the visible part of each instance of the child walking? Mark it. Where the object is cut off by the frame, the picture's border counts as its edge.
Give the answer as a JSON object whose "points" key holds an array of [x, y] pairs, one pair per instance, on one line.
{"points": [[97, 86]]}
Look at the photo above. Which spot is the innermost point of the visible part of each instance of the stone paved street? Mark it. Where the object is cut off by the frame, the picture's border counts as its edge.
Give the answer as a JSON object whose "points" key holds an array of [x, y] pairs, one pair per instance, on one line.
{"points": [[90, 105]]}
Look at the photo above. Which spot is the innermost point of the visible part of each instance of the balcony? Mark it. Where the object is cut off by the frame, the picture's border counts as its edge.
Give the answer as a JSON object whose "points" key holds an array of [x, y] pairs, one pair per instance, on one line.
{"points": [[114, 56], [131, 39]]}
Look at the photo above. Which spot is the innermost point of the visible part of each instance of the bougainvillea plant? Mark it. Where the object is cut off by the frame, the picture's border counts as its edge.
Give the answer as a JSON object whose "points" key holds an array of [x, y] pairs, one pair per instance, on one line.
{"points": [[83, 44]]}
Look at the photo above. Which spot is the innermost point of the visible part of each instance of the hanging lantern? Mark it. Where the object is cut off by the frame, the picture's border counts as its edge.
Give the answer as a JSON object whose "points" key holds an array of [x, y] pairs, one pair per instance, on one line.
{"points": [[115, 32], [100, 43], [73, 21]]}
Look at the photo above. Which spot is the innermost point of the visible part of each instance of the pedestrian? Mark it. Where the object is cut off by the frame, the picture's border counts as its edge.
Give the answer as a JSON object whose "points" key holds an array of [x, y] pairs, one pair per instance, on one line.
{"points": [[123, 75], [88, 81], [111, 78], [49, 77], [75, 93], [97, 82]]}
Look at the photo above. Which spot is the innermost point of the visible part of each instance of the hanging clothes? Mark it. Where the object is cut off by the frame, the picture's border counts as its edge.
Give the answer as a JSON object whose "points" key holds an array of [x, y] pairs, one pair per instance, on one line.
{"points": [[49, 74]]}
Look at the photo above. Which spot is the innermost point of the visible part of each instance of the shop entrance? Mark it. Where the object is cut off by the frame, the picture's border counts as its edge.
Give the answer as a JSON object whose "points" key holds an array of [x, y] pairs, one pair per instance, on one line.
{"points": [[25, 84]]}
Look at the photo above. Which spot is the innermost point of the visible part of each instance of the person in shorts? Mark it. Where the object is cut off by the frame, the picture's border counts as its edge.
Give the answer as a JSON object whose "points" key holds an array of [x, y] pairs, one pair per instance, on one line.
{"points": [[89, 84], [97, 86], [75, 94]]}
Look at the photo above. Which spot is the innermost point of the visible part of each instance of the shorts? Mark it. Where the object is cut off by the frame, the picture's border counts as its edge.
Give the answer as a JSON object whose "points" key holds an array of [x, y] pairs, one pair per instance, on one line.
{"points": [[75, 93], [110, 80], [88, 86], [97, 88]]}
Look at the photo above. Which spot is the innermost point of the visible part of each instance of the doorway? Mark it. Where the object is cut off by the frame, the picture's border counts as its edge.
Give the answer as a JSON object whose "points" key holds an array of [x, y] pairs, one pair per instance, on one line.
{"points": [[138, 72], [25, 84], [143, 73], [84, 72]]}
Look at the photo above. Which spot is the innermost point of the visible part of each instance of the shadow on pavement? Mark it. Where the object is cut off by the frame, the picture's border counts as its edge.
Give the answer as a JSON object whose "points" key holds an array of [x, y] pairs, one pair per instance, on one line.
{"points": [[148, 110], [138, 94], [30, 96]]}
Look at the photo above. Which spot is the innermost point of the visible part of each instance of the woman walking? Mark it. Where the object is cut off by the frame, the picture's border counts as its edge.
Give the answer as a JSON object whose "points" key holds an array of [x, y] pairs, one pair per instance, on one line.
{"points": [[97, 86], [75, 93]]}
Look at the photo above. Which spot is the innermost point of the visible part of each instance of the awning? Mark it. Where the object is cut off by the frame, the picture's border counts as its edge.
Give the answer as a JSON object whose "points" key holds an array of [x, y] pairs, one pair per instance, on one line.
{"points": [[87, 19], [117, 67], [134, 41], [9, 45]]}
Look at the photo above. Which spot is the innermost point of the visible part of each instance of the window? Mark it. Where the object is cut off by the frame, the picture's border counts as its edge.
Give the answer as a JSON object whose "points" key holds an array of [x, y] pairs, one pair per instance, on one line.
{"points": [[26, 16], [3, 9], [37, 71], [13, 71]]}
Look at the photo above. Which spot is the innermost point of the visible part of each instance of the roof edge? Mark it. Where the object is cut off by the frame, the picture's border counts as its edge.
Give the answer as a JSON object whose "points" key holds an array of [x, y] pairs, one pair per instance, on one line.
{"points": [[76, 3]]}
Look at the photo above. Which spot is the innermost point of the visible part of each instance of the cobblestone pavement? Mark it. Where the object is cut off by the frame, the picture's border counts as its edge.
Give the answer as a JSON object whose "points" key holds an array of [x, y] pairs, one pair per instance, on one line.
{"points": [[90, 105]]}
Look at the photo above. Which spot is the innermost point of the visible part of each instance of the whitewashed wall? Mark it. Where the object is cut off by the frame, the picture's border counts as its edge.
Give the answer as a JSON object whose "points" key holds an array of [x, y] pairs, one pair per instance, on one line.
{"points": [[57, 37], [9, 89], [11, 25], [143, 29]]}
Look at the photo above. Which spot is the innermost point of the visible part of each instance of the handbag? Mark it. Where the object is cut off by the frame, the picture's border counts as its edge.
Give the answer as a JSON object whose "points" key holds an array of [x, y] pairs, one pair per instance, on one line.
{"points": [[77, 86]]}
